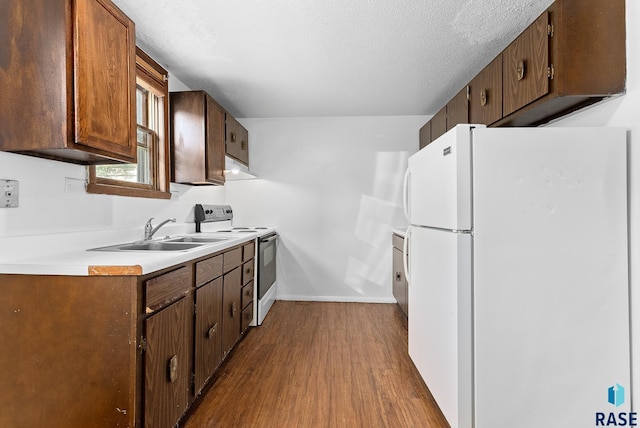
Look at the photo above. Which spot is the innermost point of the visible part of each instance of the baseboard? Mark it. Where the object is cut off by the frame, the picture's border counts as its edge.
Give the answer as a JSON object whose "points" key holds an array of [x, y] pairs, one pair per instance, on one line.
{"points": [[342, 299]]}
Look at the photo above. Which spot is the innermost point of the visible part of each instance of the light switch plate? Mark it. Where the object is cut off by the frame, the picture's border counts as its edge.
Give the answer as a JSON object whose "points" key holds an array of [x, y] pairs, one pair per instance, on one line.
{"points": [[9, 193]]}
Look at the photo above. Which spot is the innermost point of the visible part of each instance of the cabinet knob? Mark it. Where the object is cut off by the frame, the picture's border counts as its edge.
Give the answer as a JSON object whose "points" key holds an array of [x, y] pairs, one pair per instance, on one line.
{"points": [[520, 69], [398, 276], [233, 137], [483, 97], [172, 368], [212, 331], [234, 309]]}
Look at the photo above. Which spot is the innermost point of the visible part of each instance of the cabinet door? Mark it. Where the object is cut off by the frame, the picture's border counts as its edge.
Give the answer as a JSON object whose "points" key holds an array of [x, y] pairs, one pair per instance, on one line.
{"points": [[525, 66], [208, 331], [187, 112], [425, 135], [231, 310], [105, 81], [237, 140], [458, 109], [485, 105], [439, 123], [167, 364], [243, 135], [215, 143]]}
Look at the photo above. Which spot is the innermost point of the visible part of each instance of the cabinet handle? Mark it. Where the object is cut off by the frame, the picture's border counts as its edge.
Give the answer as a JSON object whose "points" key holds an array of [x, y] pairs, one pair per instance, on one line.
{"points": [[212, 331], [483, 97], [234, 309], [248, 270], [172, 368], [248, 316], [233, 137], [520, 69], [243, 145]]}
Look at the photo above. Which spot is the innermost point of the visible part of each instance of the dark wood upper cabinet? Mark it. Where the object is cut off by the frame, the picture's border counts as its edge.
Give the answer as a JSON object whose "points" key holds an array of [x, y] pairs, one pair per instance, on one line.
{"points": [[197, 138], [458, 109], [68, 81], [485, 94], [578, 57], [525, 66], [439, 123], [237, 140], [425, 135], [571, 56]]}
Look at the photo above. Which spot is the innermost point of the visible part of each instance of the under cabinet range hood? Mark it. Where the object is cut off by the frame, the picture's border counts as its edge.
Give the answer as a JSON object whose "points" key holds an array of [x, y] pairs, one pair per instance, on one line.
{"points": [[234, 170]]}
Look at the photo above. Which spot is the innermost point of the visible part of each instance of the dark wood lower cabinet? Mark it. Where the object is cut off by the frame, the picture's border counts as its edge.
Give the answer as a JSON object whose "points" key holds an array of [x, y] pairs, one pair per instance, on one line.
{"points": [[208, 332], [231, 309], [167, 364], [400, 285], [123, 350]]}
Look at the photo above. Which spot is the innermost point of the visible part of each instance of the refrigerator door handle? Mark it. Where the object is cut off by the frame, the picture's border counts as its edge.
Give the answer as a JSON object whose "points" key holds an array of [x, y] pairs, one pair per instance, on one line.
{"points": [[405, 255], [405, 193]]}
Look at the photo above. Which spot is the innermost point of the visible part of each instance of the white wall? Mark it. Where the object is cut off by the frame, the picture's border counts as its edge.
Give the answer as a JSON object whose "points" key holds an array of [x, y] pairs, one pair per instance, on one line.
{"points": [[332, 186]]}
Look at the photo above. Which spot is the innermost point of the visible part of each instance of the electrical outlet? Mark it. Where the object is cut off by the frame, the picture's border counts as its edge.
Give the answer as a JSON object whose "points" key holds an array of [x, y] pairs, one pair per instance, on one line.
{"points": [[9, 193]]}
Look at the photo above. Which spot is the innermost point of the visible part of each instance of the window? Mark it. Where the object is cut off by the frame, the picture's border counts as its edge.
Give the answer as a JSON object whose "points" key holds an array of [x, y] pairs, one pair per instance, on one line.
{"points": [[149, 177]]}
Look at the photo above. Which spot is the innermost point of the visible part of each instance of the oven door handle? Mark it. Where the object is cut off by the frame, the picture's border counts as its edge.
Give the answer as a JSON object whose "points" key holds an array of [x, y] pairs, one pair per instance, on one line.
{"points": [[265, 240]]}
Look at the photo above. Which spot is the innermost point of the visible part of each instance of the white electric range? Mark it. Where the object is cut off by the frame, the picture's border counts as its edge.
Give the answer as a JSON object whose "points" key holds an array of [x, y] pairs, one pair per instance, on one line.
{"points": [[218, 219]]}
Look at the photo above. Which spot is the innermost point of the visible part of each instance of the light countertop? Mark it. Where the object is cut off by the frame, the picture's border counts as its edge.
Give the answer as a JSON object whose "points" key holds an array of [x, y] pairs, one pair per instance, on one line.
{"points": [[68, 253]]}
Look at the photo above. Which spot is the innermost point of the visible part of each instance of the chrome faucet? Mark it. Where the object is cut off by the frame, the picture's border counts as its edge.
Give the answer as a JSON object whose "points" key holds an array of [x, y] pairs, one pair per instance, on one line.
{"points": [[149, 230]]}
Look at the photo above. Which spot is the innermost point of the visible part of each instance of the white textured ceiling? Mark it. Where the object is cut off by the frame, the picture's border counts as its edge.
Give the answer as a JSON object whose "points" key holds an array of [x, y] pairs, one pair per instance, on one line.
{"points": [[289, 58]]}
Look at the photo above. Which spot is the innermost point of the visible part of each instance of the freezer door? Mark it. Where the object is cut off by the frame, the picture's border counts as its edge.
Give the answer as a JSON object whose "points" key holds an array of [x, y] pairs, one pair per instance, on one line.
{"points": [[440, 318], [439, 182], [550, 275]]}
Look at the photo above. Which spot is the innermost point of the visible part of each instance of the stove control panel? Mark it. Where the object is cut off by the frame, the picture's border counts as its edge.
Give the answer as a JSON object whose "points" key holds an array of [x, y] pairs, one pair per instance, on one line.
{"points": [[210, 213]]}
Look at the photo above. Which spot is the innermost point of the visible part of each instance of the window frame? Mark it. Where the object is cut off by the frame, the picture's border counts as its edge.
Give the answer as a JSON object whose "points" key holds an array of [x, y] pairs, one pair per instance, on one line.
{"points": [[154, 78]]}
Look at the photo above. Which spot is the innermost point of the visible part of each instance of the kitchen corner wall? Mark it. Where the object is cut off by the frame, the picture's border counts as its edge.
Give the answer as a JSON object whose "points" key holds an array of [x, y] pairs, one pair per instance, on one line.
{"points": [[53, 199], [333, 188]]}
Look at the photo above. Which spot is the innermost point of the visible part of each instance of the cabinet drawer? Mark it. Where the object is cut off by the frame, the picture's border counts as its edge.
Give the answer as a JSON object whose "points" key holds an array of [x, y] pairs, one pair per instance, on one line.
{"points": [[208, 269], [248, 251], [247, 294], [398, 242], [247, 272], [164, 289], [247, 317], [232, 259]]}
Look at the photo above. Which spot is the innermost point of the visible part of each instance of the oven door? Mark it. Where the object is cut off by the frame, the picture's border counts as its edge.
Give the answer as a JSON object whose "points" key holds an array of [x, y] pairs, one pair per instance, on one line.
{"points": [[267, 263]]}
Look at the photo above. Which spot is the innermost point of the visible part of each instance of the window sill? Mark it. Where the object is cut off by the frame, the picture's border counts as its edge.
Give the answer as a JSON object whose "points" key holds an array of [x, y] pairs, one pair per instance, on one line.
{"points": [[126, 191]]}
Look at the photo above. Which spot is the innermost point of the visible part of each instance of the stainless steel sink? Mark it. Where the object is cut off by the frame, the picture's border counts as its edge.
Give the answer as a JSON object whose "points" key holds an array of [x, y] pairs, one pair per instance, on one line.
{"points": [[160, 246], [179, 243], [196, 239]]}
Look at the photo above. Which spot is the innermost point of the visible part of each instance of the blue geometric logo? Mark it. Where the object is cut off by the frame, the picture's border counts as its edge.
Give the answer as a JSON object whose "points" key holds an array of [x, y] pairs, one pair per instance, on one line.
{"points": [[616, 395]]}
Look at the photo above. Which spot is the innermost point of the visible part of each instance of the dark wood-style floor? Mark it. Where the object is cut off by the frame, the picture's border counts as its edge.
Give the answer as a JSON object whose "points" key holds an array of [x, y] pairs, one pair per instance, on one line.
{"points": [[315, 364]]}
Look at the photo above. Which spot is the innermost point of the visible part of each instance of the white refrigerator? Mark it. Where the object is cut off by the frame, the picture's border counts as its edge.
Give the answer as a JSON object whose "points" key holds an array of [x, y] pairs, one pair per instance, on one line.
{"points": [[518, 274]]}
